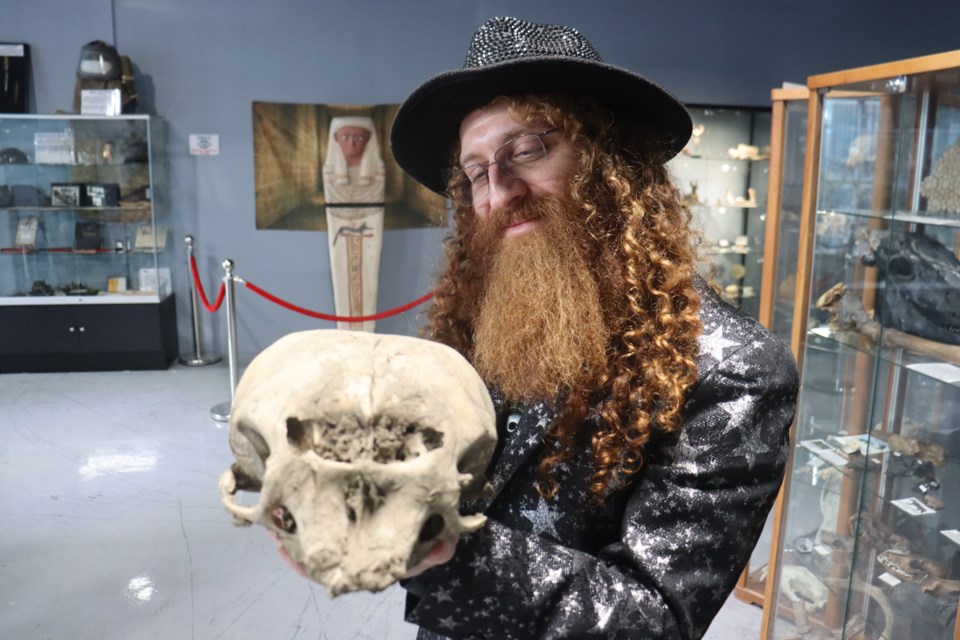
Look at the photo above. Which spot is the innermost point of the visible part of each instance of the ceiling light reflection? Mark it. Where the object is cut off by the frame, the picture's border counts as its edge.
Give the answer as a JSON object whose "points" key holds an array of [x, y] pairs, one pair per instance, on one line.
{"points": [[140, 589]]}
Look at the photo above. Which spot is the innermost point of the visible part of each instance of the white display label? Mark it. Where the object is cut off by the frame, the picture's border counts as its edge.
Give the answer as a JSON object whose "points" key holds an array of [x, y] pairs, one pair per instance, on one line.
{"points": [[953, 534], [912, 506], [204, 144], [11, 50], [941, 371], [889, 579], [100, 102]]}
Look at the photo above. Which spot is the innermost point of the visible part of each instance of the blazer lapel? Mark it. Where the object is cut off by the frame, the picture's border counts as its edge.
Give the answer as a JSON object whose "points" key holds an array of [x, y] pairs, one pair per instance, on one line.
{"points": [[533, 422]]}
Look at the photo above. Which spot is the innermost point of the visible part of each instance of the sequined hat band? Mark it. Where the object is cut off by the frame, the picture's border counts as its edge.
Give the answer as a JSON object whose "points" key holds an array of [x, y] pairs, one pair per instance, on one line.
{"points": [[508, 56]]}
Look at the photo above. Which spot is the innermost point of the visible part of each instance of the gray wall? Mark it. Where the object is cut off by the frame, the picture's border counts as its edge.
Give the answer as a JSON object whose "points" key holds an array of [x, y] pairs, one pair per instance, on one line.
{"points": [[201, 63]]}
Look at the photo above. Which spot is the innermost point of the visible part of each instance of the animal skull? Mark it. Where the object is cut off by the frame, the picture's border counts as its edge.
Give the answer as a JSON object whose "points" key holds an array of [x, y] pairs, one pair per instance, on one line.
{"points": [[921, 278], [361, 446]]}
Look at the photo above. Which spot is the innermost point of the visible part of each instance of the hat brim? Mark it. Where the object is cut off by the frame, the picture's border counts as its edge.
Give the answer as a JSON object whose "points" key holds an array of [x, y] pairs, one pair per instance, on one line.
{"points": [[427, 125]]}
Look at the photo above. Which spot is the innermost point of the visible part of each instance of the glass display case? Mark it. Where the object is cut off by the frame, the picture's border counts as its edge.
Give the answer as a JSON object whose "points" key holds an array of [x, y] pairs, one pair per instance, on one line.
{"points": [[723, 173], [870, 513], [788, 132], [84, 245]]}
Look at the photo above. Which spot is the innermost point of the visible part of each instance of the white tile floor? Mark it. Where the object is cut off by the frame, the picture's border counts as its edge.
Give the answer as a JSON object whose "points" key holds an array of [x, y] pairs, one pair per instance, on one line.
{"points": [[111, 526]]}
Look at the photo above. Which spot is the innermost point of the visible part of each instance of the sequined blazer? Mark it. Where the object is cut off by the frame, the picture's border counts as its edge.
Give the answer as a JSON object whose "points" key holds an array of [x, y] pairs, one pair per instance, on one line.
{"points": [[659, 559]]}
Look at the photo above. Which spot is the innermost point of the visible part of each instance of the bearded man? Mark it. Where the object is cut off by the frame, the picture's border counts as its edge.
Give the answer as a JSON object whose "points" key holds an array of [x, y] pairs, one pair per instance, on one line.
{"points": [[643, 423]]}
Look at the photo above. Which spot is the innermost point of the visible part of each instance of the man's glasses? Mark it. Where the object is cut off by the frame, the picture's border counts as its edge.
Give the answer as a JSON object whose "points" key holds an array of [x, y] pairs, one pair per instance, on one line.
{"points": [[471, 185], [351, 137]]}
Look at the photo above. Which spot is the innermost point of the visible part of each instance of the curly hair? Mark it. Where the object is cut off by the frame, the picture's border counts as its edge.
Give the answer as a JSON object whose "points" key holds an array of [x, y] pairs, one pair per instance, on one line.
{"points": [[645, 252]]}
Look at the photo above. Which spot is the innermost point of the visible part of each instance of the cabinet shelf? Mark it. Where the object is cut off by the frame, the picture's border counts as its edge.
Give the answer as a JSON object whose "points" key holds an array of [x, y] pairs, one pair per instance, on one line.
{"points": [[128, 297], [106, 251], [938, 371], [717, 207], [729, 251], [897, 216], [721, 159]]}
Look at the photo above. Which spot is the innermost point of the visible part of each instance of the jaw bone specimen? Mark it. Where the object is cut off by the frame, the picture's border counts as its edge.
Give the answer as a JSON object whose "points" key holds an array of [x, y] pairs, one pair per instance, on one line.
{"points": [[362, 447]]}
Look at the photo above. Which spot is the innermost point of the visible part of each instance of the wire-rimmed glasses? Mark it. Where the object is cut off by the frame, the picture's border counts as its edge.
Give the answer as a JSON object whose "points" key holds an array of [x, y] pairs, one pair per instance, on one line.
{"points": [[471, 185]]}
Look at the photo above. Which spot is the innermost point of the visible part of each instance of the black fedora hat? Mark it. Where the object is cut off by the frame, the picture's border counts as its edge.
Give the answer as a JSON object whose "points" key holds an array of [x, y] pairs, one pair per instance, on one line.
{"points": [[508, 56]]}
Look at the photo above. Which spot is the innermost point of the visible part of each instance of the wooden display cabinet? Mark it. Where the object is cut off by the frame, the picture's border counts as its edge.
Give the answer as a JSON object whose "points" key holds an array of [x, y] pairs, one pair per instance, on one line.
{"points": [[867, 529]]}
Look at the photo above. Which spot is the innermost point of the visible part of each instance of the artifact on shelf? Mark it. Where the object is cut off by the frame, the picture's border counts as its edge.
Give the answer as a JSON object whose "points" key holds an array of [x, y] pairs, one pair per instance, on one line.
{"points": [[692, 199], [102, 67], [748, 152], [856, 625], [39, 288], [942, 187], [908, 446], [872, 532], [693, 147], [862, 149], [909, 566], [26, 195], [12, 155], [833, 231], [76, 289], [847, 314], [739, 201], [921, 292], [362, 447]]}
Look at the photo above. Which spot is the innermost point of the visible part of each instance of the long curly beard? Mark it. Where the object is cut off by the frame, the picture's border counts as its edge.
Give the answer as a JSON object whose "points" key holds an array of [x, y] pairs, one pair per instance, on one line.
{"points": [[539, 330]]}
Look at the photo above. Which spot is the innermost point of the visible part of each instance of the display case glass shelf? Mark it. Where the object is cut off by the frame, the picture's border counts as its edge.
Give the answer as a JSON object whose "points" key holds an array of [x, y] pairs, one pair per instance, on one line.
{"points": [[723, 173], [868, 545], [83, 224]]}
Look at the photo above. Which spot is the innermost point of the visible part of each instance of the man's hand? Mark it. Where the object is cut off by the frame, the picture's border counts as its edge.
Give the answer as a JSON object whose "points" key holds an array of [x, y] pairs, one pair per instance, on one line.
{"points": [[441, 552], [298, 568]]}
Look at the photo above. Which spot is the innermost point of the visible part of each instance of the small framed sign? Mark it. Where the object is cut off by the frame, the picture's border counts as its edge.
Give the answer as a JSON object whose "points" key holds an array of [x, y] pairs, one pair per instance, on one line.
{"points": [[27, 233], [100, 102], [103, 194], [66, 195], [145, 238], [89, 236]]}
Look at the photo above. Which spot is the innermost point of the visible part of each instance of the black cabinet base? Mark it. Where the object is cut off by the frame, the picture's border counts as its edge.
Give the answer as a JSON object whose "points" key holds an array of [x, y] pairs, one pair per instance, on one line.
{"points": [[41, 338], [50, 362]]}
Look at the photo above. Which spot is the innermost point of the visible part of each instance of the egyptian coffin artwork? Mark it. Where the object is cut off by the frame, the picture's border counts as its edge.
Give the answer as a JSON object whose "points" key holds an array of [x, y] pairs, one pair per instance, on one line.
{"points": [[353, 182], [329, 168], [361, 447]]}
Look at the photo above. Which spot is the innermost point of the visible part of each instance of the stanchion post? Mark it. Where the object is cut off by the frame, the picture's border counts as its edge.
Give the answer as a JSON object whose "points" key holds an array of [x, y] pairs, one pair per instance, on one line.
{"points": [[221, 412], [197, 359]]}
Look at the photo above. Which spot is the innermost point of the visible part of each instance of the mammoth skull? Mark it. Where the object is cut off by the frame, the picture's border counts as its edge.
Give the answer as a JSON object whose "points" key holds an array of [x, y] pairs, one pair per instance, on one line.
{"points": [[362, 447]]}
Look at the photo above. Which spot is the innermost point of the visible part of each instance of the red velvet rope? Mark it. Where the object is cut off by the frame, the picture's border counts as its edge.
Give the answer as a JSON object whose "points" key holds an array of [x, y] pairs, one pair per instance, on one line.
{"points": [[326, 316], [203, 296]]}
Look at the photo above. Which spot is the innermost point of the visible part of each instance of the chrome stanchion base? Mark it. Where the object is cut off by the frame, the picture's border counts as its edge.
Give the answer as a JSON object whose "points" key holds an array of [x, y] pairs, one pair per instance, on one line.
{"points": [[191, 360], [220, 412]]}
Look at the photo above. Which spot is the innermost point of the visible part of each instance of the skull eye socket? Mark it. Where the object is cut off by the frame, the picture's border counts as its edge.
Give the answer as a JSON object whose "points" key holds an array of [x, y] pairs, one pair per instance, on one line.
{"points": [[283, 519], [431, 528], [901, 268]]}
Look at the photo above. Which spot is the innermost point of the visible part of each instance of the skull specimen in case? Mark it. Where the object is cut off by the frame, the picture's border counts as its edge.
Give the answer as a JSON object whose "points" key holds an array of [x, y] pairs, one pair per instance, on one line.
{"points": [[362, 447]]}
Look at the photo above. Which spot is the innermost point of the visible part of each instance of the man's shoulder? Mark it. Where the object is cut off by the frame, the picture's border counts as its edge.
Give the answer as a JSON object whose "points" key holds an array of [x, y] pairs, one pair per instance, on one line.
{"points": [[727, 333]]}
